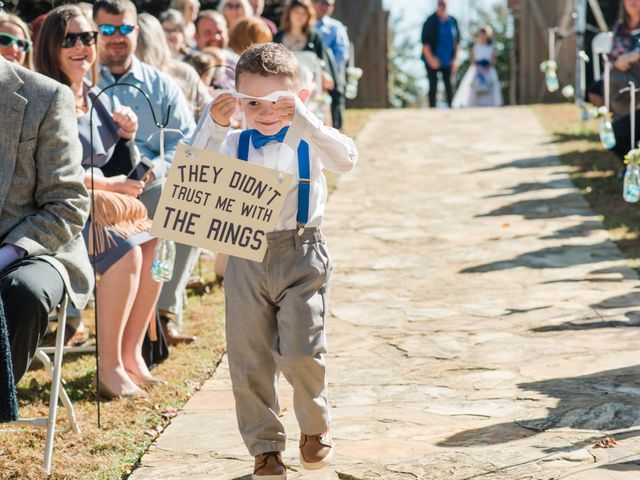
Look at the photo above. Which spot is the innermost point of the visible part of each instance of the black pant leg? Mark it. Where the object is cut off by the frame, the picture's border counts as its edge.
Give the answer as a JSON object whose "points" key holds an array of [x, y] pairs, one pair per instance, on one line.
{"points": [[446, 78], [337, 108], [30, 289], [433, 86]]}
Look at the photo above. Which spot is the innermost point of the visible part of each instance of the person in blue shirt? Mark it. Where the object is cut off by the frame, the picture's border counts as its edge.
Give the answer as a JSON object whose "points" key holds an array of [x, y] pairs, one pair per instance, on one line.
{"points": [[118, 35], [440, 41], [335, 38]]}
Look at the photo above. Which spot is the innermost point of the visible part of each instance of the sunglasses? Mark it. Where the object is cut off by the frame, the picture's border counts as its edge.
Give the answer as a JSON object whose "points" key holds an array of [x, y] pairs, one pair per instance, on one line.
{"points": [[7, 40], [87, 39], [109, 30]]}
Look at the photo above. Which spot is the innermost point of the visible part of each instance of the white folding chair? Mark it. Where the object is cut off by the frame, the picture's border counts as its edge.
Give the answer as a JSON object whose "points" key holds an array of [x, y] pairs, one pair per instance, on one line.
{"points": [[600, 44], [54, 369]]}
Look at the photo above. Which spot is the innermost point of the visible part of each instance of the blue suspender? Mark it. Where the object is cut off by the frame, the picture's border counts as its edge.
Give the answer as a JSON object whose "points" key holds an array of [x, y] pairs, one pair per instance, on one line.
{"points": [[304, 185], [304, 173], [243, 145]]}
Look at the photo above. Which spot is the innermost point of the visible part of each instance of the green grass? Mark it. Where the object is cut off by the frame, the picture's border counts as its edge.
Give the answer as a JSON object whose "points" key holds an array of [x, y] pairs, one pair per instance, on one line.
{"points": [[128, 426], [595, 172]]}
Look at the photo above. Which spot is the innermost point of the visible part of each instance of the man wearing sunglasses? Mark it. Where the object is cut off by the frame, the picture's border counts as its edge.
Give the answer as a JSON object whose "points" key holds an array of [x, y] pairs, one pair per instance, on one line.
{"points": [[117, 42], [334, 36]]}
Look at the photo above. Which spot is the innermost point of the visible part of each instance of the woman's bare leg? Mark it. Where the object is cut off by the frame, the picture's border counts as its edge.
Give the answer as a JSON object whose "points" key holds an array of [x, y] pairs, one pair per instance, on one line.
{"points": [[142, 311], [117, 290]]}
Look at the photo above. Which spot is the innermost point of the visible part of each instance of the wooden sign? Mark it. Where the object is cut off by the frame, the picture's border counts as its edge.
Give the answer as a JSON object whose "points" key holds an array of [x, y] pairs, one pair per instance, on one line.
{"points": [[219, 203]]}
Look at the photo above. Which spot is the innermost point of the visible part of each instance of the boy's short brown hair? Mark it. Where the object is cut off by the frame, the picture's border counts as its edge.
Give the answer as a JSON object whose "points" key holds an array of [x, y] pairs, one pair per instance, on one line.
{"points": [[269, 60]]}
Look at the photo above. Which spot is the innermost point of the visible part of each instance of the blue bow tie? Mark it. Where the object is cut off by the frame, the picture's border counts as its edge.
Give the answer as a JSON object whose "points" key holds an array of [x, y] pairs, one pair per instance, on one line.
{"points": [[259, 140]]}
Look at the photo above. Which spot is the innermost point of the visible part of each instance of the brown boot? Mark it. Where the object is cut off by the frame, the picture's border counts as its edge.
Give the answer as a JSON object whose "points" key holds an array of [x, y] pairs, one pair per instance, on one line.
{"points": [[171, 333], [269, 466], [316, 451]]}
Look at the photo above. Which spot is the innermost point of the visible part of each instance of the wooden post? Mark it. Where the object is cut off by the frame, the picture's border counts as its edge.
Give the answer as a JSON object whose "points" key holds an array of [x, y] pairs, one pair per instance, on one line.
{"points": [[531, 20], [367, 25]]}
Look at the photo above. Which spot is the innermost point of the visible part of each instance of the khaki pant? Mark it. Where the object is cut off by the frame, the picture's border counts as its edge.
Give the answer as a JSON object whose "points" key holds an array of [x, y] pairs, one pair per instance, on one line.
{"points": [[275, 323]]}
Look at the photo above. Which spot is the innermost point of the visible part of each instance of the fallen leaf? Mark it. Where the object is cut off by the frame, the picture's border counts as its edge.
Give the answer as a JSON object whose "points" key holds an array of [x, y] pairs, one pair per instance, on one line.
{"points": [[170, 412], [606, 442]]}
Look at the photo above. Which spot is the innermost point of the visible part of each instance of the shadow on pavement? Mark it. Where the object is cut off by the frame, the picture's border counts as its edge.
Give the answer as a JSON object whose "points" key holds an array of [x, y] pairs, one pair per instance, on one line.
{"points": [[568, 204], [628, 300], [572, 137], [581, 230], [604, 401], [534, 162], [551, 257], [560, 183], [633, 321]]}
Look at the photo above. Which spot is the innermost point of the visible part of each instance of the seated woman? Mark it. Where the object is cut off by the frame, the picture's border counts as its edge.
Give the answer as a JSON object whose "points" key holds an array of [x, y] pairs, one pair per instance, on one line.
{"points": [[173, 26], [234, 11], [298, 35], [126, 293], [625, 60], [15, 42]]}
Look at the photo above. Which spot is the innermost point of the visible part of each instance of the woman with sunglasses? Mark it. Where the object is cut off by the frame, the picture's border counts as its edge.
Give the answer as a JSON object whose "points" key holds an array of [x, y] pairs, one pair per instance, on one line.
{"points": [[298, 34], [234, 11], [15, 41], [126, 294]]}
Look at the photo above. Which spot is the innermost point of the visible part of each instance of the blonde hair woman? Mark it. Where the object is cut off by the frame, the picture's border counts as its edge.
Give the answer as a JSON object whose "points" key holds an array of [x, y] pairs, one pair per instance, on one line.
{"points": [[15, 40], [234, 11]]}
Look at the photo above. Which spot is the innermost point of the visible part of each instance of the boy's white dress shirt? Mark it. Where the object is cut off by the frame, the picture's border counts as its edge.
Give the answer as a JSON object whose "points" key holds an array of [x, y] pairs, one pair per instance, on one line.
{"points": [[328, 148]]}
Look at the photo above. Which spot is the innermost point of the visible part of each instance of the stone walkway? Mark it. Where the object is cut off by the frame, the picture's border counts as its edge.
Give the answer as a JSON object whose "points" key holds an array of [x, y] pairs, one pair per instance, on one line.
{"points": [[480, 319]]}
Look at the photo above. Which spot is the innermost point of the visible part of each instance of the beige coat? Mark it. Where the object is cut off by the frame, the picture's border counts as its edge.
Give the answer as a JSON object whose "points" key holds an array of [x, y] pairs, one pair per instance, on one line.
{"points": [[43, 201]]}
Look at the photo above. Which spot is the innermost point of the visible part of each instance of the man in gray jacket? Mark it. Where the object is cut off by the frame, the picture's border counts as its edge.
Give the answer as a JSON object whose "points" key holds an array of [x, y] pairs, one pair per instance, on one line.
{"points": [[43, 207]]}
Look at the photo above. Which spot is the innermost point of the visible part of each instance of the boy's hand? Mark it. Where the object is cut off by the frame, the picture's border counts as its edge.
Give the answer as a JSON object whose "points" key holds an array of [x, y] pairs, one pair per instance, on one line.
{"points": [[222, 109], [285, 108]]}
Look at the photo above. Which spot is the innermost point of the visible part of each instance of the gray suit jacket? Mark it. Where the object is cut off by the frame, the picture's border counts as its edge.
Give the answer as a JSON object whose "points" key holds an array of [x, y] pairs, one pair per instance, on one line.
{"points": [[43, 201]]}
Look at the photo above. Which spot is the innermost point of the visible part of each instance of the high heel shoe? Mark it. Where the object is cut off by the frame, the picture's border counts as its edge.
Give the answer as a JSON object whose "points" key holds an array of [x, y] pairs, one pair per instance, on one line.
{"points": [[143, 380]]}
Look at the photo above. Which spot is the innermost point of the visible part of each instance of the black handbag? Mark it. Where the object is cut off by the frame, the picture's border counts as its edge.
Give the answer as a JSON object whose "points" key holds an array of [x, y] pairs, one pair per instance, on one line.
{"points": [[158, 351]]}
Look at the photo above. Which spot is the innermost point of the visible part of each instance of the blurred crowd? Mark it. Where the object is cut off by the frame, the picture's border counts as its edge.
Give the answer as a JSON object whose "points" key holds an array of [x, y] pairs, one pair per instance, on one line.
{"points": [[167, 67]]}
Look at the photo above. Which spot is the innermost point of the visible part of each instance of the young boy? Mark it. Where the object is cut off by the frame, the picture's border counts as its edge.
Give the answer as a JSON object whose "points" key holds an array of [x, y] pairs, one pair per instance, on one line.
{"points": [[275, 310]]}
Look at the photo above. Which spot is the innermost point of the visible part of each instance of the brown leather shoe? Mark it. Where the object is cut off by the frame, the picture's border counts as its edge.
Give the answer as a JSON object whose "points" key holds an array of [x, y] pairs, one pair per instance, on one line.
{"points": [[171, 333], [316, 451], [269, 466]]}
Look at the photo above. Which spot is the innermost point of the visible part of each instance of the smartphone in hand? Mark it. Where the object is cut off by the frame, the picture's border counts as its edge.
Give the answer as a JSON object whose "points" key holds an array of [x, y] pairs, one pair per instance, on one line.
{"points": [[141, 170]]}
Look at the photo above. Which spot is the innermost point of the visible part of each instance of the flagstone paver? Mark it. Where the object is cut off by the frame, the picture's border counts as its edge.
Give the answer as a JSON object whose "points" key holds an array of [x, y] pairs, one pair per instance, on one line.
{"points": [[483, 324]]}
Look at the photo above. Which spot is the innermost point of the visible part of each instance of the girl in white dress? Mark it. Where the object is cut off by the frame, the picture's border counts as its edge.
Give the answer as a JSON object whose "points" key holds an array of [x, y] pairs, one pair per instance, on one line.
{"points": [[480, 86]]}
